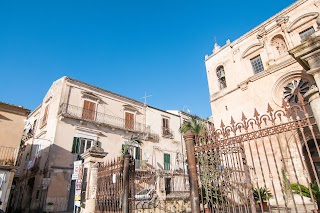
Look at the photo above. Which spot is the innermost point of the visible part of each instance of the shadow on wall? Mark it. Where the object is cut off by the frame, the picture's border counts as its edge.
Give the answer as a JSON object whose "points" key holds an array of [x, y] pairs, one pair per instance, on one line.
{"points": [[43, 180]]}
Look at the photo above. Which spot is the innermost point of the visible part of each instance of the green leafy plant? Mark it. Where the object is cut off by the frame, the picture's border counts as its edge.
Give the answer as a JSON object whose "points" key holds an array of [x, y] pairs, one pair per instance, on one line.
{"points": [[305, 191], [211, 196], [194, 124], [261, 192]]}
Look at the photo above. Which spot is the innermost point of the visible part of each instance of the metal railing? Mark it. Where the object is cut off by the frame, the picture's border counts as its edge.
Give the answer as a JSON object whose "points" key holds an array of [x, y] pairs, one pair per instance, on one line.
{"points": [[101, 118], [167, 132], [8, 156], [140, 164]]}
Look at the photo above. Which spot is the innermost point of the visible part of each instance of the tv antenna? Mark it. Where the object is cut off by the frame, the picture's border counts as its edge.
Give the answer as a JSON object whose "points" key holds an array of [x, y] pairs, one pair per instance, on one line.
{"points": [[145, 98]]}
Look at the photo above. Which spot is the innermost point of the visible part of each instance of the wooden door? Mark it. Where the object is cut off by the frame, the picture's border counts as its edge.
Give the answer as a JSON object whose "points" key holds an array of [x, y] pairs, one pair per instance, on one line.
{"points": [[129, 120], [88, 110]]}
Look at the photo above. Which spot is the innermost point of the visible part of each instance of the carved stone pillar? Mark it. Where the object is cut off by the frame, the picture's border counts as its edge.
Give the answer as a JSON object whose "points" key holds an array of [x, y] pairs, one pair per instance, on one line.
{"points": [[91, 157], [313, 97], [262, 36], [282, 23]]}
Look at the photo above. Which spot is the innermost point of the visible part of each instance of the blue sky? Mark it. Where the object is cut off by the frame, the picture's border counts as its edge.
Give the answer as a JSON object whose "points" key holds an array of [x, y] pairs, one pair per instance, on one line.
{"points": [[127, 47]]}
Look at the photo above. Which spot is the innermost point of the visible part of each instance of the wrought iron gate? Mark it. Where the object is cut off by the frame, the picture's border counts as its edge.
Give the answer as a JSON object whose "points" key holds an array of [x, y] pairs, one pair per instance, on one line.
{"points": [[267, 163], [110, 186]]}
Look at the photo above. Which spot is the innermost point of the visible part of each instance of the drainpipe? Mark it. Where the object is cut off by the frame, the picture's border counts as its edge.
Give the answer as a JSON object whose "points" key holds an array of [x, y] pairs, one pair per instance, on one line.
{"points": [[182, 152]]}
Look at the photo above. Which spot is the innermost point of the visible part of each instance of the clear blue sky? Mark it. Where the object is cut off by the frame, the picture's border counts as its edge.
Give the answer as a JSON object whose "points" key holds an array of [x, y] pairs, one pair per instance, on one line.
{"points": [[127, 47]]}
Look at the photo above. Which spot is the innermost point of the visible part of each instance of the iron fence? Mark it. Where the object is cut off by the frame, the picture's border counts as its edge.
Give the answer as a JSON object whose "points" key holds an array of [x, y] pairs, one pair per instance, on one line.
{"points": [[267, 163], [101, 118]]}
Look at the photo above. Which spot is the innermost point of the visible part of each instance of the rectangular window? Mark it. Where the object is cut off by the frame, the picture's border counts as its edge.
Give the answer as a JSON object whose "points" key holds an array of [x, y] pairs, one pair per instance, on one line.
{"points": [[80, 145], [306, 33], [34, 126], [166, 164], [89, 110], [165, 126], [45, 116], [37, 194], [129, 120], [257, 64]]}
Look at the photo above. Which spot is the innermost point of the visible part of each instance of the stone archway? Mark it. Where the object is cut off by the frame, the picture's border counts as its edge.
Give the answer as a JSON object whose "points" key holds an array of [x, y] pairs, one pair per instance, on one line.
{"points": [[314, 155]]}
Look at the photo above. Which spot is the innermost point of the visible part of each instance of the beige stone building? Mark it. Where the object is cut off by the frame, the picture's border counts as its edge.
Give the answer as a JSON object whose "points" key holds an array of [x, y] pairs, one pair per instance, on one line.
{"points": [[11, 129], [272, 62], [75, 116]]}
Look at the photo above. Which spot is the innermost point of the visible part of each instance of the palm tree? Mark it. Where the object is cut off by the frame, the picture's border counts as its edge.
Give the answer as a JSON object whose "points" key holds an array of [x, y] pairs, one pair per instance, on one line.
{"points": [[195, 124]]}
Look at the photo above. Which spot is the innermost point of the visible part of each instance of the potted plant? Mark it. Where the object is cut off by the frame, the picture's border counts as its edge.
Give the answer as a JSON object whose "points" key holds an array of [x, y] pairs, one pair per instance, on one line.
{"points": [[264, 194]]}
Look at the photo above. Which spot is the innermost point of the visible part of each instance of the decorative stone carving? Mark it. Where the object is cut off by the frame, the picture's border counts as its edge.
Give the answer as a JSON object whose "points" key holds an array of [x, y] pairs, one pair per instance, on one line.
{"points": [[279, 43], [282, 22]]}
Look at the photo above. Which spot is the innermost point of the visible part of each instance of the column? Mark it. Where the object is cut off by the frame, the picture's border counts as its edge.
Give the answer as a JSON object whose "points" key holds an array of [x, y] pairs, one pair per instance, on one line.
{"points": [[92, 157], [189, 138]]}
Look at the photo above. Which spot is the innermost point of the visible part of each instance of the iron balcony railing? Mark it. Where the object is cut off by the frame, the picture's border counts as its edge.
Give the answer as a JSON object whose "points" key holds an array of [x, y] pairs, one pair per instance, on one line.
{"points": [[101, 118], [8, 156], [167, 132]]}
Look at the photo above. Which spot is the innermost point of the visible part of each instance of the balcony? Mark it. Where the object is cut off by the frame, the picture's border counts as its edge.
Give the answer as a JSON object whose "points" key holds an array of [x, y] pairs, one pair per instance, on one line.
{"points": [[8, 156], [80, 113], [167, 132], [141, 164]]}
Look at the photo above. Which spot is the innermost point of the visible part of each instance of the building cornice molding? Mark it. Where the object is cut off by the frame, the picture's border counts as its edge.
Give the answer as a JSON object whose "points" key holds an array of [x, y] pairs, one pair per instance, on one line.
{"points": [[100, 90], [14, 109], [244, 84], [308, 17], [257, 29]]}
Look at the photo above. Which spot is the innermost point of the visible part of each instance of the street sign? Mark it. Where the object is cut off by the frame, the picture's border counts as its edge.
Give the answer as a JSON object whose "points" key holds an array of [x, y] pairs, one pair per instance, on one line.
{"points": [[74, 177], [77, 166]]}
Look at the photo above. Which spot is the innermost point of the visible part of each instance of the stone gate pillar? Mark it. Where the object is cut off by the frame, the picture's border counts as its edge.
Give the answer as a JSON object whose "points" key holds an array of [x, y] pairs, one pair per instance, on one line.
{"points": [[307, 55], [91, 157]]}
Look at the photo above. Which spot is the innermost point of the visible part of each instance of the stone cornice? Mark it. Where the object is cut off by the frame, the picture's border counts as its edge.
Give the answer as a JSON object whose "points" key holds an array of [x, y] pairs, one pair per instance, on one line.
{"points": [[14, 109], [257, 29], [100, 90], [244, 84]]}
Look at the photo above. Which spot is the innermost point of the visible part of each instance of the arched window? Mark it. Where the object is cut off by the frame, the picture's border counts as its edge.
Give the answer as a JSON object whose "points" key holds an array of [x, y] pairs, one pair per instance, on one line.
{"points": [[279, 43], [221, 77], [291, 90]]}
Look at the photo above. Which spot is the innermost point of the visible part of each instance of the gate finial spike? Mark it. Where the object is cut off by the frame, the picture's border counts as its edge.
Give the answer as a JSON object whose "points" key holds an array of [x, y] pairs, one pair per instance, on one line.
{"points": [[284, 103], [222, 124], [256, 114], [244, 118], [232, 121], [300, 99], [270, 110]]}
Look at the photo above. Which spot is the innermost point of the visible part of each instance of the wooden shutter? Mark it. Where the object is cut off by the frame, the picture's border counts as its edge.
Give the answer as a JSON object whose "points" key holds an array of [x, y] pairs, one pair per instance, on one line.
{"points": [[45, 116], [165, 126], [75, 145], [166, 161], [88, 110], [138, 153], [129, 120]]}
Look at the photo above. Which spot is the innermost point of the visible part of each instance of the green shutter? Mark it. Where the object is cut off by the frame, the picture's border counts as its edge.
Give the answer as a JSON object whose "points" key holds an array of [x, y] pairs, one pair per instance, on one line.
{"points": [[166, 161], [138, 153], [75, 145]]}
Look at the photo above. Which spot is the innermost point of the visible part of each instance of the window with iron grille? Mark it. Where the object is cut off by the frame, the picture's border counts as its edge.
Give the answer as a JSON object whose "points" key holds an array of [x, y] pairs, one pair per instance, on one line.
{"points": [[166, 164], [257, 64], [306, 33], [221, 77]]}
